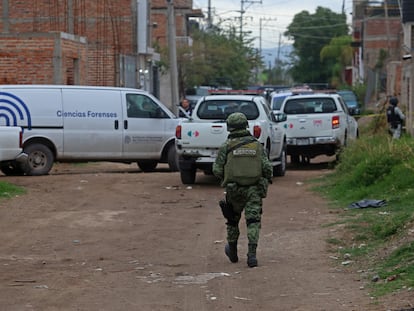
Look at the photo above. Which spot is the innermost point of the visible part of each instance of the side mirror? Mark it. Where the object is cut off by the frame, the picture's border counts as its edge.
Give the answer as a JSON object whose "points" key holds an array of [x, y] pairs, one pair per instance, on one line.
{"points": [[280, 116]]}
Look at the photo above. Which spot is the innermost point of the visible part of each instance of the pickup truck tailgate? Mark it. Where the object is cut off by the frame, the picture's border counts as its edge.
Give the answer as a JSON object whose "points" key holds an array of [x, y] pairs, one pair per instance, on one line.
{"points": [[204, 135], [310, 125]]}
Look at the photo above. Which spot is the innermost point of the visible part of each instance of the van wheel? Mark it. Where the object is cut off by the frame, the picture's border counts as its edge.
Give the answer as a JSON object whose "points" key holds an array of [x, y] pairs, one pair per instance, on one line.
{"points": [[11, 169], [280, 170], [172, 159], [147, 165], [188, 176], [39, 160]]}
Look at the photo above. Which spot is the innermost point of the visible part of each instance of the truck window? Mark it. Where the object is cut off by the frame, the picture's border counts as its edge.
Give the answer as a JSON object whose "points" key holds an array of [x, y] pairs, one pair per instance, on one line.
{"points": [[221, 109], [142, 106], [309, 106]]}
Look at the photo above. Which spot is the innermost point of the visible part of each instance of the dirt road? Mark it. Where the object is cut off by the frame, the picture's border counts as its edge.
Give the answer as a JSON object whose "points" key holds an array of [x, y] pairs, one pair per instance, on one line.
{"points": [[110, 237]]}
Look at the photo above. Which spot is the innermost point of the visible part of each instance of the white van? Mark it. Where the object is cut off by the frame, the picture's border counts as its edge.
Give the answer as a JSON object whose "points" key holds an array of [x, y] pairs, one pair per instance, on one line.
{"points": [[87, 123]]}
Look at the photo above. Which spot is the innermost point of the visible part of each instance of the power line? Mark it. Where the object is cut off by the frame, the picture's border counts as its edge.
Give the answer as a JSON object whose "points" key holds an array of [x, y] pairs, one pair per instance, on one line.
{"points": [[242, 11]]}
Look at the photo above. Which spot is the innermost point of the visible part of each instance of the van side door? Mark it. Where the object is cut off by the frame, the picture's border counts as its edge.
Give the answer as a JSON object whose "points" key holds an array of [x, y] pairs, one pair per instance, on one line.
{"points": [[92, 124]]}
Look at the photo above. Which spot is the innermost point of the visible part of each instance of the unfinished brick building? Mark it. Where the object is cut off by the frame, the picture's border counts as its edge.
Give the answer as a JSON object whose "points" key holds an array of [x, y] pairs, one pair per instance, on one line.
{"points": [[65, 41], [86, 42]]}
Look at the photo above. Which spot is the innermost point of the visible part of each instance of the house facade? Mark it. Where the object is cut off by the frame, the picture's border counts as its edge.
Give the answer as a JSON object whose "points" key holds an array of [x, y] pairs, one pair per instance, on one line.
{"points": [[383, 43]]}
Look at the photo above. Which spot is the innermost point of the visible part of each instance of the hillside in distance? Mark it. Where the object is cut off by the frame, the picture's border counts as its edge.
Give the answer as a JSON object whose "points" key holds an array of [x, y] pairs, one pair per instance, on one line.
{"points": [[269, 55]]}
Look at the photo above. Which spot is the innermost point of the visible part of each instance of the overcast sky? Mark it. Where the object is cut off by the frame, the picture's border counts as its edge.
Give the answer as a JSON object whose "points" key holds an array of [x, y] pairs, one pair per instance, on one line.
{"points": [[273, 15]]}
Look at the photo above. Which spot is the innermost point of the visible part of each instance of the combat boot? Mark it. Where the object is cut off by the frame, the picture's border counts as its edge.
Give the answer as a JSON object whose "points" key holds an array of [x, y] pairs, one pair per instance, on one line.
{"points": [[251, 256], [231, 251]]}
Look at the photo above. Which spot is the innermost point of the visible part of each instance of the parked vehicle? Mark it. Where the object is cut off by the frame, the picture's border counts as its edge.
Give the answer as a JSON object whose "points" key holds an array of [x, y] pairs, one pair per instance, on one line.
{"points": [[85, 123], [351, 101], [198, 138], [317, 124], [194, 94], [277, 98], [11, 150]]}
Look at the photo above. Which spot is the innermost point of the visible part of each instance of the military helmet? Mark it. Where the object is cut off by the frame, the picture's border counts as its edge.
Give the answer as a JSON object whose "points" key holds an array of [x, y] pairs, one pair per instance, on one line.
{"points": [[236, 121], [394, 101]]}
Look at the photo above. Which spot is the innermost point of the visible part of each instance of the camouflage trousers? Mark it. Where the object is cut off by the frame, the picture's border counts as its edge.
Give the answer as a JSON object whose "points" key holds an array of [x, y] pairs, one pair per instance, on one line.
{"points": [[395, 131], [249, 200]]}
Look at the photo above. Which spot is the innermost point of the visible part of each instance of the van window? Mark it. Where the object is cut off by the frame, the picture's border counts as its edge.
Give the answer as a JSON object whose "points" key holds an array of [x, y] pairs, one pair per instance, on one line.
{"points": [[142, 106]]}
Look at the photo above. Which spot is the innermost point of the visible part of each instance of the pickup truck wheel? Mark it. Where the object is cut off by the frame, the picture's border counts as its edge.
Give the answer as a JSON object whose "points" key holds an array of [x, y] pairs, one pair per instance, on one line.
{"points": [[172, 159], [147, 165], [188, 176], [39, 160], [280, 170], [11, 169]]}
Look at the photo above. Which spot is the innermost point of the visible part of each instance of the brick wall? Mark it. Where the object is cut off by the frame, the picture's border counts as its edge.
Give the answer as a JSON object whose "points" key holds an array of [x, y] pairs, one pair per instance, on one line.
{"points": [[159, 16], [109, 27], [381, 34], [31, 59]]}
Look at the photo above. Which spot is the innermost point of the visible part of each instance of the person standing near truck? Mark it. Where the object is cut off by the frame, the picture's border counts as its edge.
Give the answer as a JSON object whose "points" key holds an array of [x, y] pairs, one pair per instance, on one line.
{"points": [[245, 171], [395, 118], [185, 104]]}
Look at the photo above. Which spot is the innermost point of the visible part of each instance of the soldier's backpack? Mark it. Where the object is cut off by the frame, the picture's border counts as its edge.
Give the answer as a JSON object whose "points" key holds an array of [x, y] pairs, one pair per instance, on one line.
{"points": [[244, 164], [392, 118]]}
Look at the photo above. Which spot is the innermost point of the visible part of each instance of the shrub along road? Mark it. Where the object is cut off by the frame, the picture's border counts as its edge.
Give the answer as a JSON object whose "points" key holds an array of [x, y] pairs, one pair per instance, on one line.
{"points": [[106, 236]]}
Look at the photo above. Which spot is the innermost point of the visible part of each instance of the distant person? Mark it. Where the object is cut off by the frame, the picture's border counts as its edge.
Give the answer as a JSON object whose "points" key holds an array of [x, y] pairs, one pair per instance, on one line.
{"points": [[395, 118], [185, 104], [245, 171]]}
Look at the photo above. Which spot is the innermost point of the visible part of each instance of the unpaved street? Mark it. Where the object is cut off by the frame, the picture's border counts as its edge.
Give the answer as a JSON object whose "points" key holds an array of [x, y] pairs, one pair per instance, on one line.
{"points": [[104, 236]]}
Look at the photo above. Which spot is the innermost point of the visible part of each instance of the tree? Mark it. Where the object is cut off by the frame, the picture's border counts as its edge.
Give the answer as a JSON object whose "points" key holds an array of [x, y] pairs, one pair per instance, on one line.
{"points": [[217, 57], [339, 53], [311, 32]]}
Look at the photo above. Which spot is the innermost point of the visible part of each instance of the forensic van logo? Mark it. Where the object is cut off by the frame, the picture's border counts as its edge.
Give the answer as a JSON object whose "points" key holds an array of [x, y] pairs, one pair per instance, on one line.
{"points": [[12, 110]]}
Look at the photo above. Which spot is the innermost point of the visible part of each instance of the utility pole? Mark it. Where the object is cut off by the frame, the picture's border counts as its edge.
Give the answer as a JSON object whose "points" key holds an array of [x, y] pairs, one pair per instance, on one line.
{"points": [[171, 33], [260, 31], [242, 11], [209, 19], [259, 69]]}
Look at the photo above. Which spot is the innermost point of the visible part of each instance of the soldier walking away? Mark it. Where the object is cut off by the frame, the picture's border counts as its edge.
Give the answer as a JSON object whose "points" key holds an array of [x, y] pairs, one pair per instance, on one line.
{"points": [[395, 118], [245, 171]]}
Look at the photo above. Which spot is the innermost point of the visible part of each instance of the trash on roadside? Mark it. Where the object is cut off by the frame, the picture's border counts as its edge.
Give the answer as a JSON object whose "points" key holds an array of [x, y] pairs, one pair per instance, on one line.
{"points": [[368, 203]]}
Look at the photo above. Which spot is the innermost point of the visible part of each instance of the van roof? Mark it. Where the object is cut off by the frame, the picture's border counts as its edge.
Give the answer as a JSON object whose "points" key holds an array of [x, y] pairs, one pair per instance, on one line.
{"points": [[58, 86]]}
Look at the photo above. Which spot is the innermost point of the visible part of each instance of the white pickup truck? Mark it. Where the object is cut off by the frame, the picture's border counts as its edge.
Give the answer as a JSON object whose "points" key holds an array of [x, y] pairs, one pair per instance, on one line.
{"points": [[11, 147], [317, 124], [199, 137]]}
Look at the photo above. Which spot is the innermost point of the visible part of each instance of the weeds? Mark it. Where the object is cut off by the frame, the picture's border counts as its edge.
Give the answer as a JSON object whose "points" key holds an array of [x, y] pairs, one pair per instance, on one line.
{"points": [[8, 190], [377, 168]]}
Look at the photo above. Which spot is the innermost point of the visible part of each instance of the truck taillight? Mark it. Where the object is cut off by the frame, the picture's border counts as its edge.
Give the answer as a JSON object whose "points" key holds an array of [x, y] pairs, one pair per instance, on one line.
{"points": [[178, 131], [21, 139], [335, 122], [257, 131]]}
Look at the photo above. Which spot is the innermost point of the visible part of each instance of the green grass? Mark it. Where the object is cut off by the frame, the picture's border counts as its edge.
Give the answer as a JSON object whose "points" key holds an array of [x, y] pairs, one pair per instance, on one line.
{"points": [[380, 240], [8, 190]]}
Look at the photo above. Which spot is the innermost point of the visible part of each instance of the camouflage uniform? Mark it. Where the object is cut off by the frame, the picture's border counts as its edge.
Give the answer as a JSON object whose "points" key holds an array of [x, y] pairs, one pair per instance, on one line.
{"points": [[243, 197], [395, 118]]}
